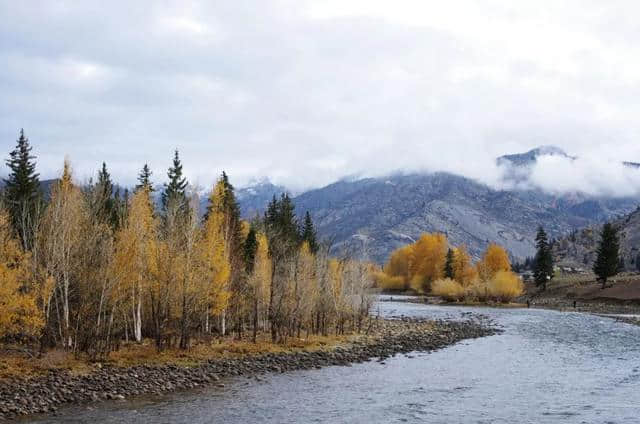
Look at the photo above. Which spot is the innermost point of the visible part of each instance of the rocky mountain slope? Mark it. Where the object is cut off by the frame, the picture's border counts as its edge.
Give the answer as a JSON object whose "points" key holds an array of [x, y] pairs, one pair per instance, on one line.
{"points": [[578, 249], [253, 199], [375, 215]]}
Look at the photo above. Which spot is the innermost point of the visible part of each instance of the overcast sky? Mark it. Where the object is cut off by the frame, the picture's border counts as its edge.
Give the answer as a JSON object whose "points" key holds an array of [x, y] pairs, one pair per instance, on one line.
{"points": [[307, 92]]}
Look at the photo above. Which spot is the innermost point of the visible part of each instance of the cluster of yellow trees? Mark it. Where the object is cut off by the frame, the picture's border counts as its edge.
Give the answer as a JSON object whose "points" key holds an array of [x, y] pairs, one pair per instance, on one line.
{"points": [[429, 266], [87, 285]]}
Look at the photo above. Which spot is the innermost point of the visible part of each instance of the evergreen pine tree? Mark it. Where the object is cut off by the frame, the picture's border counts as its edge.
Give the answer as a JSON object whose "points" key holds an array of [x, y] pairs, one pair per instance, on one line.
{"points": [[448, 265], [104, 181], [543, 261], [271, 213], [175, 190], [288, 222], [106, 195], [281, 225], [250, 248], [22, 191], [123, 208], [144, 179], [309, 233], [607, 261]]}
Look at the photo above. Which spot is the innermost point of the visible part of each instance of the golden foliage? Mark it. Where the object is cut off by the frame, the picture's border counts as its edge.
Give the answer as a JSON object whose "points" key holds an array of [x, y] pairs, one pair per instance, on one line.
{"points": [[19, 313], [134, 247], [260, 278], [64, 231], [104, 283], [216, 270], [448, 289], [398, 264], [386, 282], [417, 264], [495, 259], [463, 271], [505, 286], [335, 280], [428, 257], [420, 266]]}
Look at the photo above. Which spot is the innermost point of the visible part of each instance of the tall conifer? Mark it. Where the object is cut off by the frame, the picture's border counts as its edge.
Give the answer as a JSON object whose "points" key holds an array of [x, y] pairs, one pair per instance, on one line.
{"points": [[448, 265], [22, 190], [144, 179], [175, 189], [309, 233], [608, 260], [543, 263]]}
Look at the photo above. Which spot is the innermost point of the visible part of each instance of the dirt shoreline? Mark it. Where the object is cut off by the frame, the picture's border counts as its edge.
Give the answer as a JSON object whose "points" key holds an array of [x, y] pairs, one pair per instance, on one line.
{"points": [[608, 308], [44, 394]]}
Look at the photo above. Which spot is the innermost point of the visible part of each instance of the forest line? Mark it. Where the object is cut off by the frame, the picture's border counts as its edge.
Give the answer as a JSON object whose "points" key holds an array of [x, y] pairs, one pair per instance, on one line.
{"points": [[86, 269]]}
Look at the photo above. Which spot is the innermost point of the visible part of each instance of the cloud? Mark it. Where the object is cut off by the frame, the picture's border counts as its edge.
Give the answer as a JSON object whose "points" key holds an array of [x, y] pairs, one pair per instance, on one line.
{"points": [[587, 175], [307, 92]]}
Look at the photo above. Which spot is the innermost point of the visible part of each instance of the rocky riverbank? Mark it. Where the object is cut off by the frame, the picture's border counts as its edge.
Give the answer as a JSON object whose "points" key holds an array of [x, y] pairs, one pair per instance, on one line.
{"points": [[44, 394], [597, 307], [627, 311]]}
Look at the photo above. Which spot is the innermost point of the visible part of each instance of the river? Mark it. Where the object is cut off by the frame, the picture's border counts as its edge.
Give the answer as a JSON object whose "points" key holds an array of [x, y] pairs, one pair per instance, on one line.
{"points": [[547, 367]]}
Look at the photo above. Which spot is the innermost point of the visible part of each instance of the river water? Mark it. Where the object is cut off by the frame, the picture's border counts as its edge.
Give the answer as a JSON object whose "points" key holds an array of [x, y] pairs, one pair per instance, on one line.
{"points": [[547, 367]]}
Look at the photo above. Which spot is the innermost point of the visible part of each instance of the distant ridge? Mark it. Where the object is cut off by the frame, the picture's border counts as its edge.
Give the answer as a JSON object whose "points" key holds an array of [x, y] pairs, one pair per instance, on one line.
{"points": [[530, 157]]}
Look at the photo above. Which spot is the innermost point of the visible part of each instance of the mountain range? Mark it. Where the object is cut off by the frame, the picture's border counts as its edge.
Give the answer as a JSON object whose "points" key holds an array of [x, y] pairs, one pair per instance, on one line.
{"points": [[373, 216]]}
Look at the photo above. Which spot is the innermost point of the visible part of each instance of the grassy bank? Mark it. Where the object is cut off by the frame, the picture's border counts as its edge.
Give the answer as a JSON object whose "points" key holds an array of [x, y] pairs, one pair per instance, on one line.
{"points": [[15, 361], [621, 295]]}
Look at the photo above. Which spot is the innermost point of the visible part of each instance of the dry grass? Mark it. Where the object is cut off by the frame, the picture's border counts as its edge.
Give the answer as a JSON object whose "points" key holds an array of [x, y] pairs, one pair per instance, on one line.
{"points": [[19, 364], [572, 280]]}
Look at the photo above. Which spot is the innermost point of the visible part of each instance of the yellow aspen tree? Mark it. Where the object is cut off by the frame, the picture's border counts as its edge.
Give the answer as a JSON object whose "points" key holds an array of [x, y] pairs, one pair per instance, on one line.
{"points": [[358, 277], [134, 246], [217, 269], [463, 271], [336, 284], [494, 259], [398, 264], [162, 268], [222, 200], [62, 229], [260, 281], [306, 287], [19, 311], [428, 257], [193, 280]]}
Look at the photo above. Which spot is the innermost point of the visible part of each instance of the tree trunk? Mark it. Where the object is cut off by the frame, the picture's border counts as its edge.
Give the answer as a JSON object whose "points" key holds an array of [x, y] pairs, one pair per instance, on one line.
{"points": [[255, 318]]}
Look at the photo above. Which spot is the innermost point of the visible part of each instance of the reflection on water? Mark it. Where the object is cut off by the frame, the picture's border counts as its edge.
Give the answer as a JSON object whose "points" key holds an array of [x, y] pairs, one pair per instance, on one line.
{"points": [[547, 367]]}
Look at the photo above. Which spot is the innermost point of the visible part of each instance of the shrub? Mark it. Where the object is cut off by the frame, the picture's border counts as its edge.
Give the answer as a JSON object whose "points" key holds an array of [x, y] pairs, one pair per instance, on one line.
{"points": [[388, 283], [448, 289], [419, 284], [505, 286], [478, 290]]}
